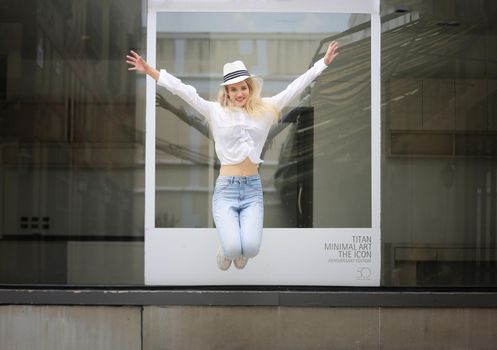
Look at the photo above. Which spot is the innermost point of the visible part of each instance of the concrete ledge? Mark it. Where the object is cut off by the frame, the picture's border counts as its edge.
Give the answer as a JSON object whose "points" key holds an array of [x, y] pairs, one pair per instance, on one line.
{"points": [[339, 297], [74, 327], [240, 327]]}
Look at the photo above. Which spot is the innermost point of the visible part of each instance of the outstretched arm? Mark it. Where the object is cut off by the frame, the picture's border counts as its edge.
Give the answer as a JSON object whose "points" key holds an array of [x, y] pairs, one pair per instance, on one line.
{"points": [[297, 86], [170, 82], [139, 64]]}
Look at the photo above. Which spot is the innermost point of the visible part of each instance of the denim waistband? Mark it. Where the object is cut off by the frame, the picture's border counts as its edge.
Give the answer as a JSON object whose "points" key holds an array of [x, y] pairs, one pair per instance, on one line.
{"points": [[239, 179]]}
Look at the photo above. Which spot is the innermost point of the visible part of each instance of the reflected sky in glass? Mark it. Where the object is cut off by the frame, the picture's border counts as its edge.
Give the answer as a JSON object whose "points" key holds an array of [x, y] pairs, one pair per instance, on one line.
{"points": [[253, 22]]}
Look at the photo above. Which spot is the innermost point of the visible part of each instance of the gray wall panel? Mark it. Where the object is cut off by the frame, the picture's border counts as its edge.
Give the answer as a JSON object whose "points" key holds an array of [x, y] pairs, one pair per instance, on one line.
{"points": [[69, 327]]}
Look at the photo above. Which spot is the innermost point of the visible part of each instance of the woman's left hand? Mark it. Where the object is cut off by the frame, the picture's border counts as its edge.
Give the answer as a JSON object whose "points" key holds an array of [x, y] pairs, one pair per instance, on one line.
{"points": [[331, 53]]}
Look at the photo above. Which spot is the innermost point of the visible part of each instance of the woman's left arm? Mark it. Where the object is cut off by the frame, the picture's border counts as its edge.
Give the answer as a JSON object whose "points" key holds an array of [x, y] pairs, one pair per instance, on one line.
{"points": [[298, 85]]}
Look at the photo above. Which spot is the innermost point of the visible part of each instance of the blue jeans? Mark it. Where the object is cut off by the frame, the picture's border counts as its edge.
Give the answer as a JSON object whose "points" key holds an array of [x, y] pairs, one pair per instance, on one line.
{"points": [[237, 208]]}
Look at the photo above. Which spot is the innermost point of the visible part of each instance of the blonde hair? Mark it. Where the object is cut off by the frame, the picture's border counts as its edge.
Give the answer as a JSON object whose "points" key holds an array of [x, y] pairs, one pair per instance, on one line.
{"points": [[255, 105]]}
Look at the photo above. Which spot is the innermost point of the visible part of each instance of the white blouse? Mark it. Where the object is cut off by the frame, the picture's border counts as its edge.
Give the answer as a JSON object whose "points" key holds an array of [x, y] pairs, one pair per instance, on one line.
{"points": [[238, 135]]}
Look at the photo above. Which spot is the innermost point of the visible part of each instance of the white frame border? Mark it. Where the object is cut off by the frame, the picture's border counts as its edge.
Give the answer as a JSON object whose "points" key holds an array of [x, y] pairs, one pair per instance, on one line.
{"points": [[371, 7]]}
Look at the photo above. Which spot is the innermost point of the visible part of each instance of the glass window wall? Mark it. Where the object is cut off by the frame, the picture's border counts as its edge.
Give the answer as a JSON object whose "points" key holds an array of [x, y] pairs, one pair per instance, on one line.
{"points": [[71, 143], [72, 124], [439, 173]]}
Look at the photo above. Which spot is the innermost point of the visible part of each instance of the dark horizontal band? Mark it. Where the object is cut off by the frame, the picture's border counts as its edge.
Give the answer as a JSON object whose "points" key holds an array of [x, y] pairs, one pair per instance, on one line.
{"points": [[248, 296], [236, 74]]}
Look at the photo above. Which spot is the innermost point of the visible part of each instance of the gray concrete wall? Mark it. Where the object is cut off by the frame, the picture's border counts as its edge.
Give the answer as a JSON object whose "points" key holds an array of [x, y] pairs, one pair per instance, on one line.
{"points": [[205, 327], [69, 327]]}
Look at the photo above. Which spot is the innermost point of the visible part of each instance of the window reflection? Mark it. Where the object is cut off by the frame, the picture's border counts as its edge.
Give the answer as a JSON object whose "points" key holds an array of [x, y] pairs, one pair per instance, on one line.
{"points": [[71, 154], [71, 132], [439, 174]]}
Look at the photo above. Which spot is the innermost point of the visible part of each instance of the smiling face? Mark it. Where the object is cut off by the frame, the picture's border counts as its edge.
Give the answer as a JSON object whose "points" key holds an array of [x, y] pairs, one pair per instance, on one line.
{"points": [[238, 93]]}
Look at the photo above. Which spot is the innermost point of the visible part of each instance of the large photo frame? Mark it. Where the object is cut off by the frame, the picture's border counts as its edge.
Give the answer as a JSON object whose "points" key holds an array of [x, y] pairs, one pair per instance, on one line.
{"points": [[340, 256]]}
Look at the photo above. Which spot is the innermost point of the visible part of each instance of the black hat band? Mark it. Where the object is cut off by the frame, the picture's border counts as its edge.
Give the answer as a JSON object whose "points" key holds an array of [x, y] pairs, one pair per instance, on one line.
{"points": [[236, 74]]}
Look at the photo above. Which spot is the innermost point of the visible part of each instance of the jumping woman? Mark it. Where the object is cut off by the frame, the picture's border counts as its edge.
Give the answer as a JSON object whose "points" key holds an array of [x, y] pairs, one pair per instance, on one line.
{"points": [[240, 120]]}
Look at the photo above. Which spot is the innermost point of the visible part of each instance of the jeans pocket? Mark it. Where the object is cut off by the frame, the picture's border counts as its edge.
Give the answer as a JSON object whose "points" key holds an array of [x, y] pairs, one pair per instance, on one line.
{"points": [[221, 187], [255, 184]]}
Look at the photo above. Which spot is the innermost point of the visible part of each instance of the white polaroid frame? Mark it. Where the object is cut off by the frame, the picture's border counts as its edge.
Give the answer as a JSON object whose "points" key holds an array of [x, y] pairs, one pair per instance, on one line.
{"points": [[186, 256]]}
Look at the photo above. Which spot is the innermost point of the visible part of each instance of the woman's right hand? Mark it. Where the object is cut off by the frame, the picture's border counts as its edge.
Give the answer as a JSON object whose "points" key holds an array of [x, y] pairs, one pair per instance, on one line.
{"points": [[139, 64], [136, 62]]}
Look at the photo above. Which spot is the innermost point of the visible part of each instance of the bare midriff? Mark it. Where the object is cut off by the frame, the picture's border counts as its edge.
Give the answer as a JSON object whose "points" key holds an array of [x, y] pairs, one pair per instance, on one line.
{"points": [[245, 168]]}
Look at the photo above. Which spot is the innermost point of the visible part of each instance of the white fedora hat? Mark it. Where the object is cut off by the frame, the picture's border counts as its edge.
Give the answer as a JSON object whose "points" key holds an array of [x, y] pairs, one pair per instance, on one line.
{"points": [[234, 72]]}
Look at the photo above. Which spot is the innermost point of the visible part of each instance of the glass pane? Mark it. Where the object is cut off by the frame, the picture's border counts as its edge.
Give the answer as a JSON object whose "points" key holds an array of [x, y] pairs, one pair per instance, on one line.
{"points": [[439, 179], [71, 144], [317, 163]]}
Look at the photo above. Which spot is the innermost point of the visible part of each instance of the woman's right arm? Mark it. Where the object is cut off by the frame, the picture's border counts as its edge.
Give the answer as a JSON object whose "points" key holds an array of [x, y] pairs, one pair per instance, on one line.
{"points": [[173, 84]]}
